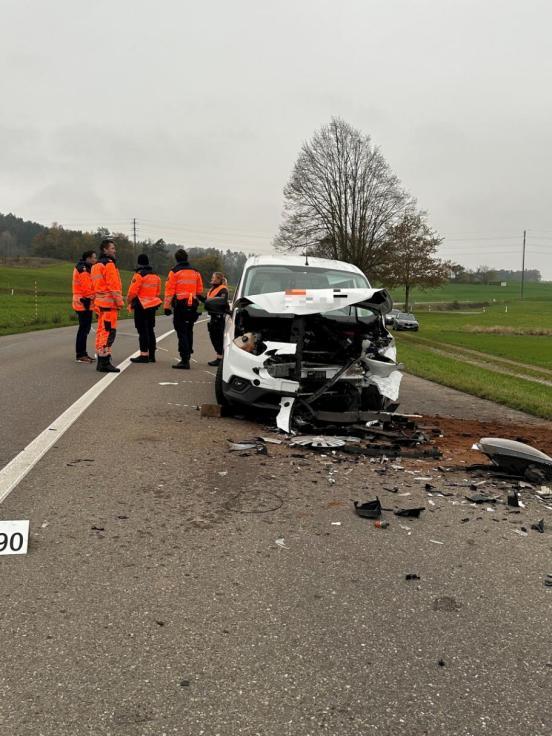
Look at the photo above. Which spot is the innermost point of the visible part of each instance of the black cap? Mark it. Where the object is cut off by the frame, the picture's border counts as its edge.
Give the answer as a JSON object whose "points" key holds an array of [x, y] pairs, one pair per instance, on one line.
{"points": [[143, 260]]}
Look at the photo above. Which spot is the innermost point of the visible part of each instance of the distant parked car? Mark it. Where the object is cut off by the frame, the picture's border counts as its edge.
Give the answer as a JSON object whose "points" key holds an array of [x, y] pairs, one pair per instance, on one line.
{"points": [[390, 317], [405, 321]]}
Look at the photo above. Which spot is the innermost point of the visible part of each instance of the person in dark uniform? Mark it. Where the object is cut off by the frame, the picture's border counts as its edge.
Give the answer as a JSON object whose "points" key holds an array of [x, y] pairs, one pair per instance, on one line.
{"points": [[216, 306]]}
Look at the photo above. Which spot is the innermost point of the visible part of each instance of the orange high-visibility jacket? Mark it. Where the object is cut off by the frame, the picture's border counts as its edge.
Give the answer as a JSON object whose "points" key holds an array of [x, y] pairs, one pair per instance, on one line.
{"points": [[146, 287], [107, 284], [183, 284], [82, 286]]}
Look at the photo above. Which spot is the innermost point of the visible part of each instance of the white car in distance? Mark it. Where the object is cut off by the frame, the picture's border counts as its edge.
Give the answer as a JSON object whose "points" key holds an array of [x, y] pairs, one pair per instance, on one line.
{"points": [[306, 338]]}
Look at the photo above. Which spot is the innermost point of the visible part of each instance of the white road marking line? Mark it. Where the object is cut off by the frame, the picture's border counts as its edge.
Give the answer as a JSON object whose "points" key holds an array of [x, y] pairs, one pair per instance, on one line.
{"points": [[14, 472], [211, 374]]}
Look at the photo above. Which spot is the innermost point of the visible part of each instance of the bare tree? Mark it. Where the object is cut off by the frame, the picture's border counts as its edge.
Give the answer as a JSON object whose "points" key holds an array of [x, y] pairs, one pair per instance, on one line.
{"points": [[411, 248], [341, 198]]}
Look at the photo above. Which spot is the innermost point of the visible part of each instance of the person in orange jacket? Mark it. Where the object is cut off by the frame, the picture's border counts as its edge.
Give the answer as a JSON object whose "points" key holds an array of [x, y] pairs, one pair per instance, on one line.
{"points": [[83, 300], [143, 299], [108, 301], [182, 288]]}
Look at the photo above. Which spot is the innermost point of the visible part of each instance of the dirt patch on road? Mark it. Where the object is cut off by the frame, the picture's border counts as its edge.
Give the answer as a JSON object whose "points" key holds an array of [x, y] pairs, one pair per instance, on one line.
{"points": [[460, 434]]}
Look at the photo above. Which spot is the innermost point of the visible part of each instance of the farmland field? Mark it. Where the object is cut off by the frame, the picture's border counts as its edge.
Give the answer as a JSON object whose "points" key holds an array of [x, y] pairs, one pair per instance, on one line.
{"points": [[501, 352], [478, 293], [20, 311]]}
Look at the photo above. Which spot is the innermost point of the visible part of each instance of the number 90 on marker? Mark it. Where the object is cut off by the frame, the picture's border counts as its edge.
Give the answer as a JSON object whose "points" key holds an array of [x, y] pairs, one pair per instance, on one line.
{"points": [[14, 537]]}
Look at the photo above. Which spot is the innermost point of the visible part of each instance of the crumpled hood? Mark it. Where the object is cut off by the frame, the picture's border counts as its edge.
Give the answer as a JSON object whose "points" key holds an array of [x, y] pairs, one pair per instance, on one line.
{"points": [[319, 301]]}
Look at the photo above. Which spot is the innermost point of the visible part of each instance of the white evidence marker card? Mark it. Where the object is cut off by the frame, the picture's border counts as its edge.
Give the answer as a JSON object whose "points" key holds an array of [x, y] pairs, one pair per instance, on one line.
{"points": [[14, 537]]}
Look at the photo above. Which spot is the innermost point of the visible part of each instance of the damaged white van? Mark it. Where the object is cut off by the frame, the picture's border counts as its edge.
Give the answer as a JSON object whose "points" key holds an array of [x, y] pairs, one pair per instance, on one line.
{"points": [[306, 337]]}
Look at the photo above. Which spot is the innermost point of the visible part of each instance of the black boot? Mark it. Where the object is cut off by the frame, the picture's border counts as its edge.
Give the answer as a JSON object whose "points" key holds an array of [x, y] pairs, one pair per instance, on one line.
{"points": [[106, 366], [140, 359], [215, 362], [152, 356], [185, 364]]}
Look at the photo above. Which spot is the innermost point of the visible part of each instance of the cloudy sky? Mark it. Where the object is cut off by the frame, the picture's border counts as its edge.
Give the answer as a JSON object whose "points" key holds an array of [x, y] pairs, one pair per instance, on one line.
{"points": [[189, 115]]}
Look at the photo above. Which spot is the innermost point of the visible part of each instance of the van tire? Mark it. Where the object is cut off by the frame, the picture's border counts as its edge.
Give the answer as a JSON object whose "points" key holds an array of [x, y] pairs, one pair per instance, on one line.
{"points": [[219, 391]]}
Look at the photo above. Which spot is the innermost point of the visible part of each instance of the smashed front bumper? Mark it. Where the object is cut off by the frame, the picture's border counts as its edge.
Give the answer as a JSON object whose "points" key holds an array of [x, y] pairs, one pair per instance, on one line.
{"points": [[333, 360]]}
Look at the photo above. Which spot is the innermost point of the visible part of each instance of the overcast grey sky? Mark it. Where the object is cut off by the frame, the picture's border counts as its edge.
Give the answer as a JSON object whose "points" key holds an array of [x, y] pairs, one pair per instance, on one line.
{"points": [[189, 115]]}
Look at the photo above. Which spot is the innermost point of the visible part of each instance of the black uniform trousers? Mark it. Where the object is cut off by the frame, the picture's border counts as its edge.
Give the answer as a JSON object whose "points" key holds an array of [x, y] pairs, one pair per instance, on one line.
{"points": [[144, 321], [216, 332], [85, 323], [184, 318]]}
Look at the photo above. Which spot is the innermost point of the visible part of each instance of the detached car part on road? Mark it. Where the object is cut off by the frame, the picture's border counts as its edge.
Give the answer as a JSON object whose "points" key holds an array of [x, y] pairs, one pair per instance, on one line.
{"points": [[308, 339]]}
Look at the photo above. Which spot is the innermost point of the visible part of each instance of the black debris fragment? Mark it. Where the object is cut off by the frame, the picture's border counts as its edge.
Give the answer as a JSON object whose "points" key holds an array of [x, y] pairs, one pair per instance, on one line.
{"points": [[412, 576], [413, 513], [184, 683], [481, 498], [97, 528], [441, 663], [539, 526], [513, 499], [368, 509], [548, 581]]}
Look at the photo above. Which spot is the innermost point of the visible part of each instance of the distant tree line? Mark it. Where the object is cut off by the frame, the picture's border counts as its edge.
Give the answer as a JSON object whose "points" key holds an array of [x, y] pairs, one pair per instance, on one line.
{"points": [[20, 238], [488, 275]]}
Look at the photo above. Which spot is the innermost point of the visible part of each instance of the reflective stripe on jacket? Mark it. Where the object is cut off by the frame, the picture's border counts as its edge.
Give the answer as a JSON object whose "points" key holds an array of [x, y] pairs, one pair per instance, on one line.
{"points": [[82, 286], [215, 291], [183, 284], [107, 284], [146, 287]]}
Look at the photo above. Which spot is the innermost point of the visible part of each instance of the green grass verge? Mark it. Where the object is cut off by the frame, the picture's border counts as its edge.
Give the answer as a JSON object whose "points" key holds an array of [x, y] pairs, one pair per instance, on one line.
{"points": [[513, 392], [493, 360], [20, 312], [461, 330]]}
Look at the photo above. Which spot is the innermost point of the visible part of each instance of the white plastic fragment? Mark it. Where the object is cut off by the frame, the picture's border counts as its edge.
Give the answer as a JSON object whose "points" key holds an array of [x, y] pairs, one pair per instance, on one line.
{"points": [[281, 543], [435, 541], [336, 523], [168, 383], [520, 532]]}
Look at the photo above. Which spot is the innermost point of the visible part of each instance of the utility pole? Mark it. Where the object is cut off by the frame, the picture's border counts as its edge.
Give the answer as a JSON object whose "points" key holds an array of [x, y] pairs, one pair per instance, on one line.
{"points": [[134, 232], [523, 264]]}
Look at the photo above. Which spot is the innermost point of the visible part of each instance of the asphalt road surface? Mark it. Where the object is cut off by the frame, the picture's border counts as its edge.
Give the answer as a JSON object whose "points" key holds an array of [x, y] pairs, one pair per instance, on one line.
{"points": [[172, 587]]}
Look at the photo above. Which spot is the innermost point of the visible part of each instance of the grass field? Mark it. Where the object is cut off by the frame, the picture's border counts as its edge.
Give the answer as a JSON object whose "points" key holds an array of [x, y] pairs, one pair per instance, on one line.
{"points": [[21, 312], [490, 352], [478, 293]]}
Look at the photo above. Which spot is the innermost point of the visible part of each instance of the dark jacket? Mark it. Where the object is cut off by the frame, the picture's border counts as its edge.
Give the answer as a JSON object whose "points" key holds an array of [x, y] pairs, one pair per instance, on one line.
{"points": [[217, 305]]}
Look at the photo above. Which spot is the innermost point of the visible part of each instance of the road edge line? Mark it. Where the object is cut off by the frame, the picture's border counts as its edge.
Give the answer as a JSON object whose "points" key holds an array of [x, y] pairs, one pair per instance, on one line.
{"points": [[13, 473]]}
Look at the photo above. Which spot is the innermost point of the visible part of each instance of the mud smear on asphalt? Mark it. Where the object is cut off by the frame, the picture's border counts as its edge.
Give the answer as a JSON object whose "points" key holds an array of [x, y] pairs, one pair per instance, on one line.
{"points": [[459, 434]]}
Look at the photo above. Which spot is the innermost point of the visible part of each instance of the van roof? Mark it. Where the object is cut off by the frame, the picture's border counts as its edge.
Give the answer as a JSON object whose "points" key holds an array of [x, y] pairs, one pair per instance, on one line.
{"points": [[281, 260]]}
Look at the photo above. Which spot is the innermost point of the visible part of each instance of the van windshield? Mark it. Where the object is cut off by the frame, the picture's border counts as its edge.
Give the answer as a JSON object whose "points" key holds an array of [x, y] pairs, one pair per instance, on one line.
{"points": [[267, 279]]}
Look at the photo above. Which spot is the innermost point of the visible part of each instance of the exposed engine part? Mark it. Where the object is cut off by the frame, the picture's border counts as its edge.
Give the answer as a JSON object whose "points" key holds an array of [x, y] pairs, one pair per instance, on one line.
{"points": [[248, 342]]}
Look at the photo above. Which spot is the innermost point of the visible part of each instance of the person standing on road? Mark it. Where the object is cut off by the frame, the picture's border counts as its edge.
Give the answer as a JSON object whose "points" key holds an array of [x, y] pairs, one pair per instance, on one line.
{"points": [[143, 299], [182, 288], [108, 302], [83, 299], [216, 305]]}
